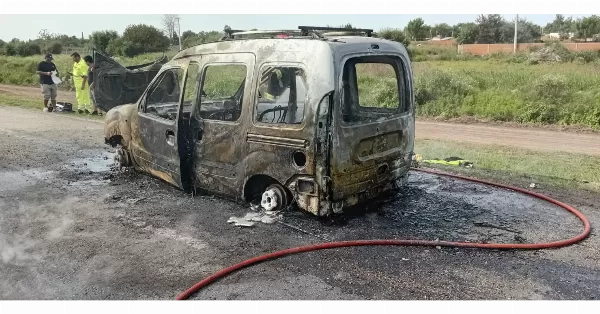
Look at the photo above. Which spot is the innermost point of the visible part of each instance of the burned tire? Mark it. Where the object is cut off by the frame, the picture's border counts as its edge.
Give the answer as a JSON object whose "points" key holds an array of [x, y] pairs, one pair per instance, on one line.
{"points": [[123, 158], [274, 198]]}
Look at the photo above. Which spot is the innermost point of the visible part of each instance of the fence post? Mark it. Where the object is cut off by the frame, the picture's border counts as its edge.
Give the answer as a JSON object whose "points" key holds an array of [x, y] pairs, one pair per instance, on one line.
{"points": [[488, 51]]}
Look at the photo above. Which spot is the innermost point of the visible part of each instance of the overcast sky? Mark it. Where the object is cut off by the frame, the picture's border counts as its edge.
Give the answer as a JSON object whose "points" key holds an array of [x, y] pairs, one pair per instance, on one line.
{"points": [[28, 26]]}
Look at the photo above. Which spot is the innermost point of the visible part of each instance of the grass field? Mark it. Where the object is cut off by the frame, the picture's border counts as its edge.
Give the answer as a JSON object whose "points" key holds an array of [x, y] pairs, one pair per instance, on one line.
{"points": [[447, 85], [573, 171], [36, 104], [21, 70]]}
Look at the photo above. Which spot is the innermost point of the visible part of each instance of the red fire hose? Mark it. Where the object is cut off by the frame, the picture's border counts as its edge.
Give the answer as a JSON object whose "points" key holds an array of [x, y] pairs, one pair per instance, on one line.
{"points": [[330, 245]]}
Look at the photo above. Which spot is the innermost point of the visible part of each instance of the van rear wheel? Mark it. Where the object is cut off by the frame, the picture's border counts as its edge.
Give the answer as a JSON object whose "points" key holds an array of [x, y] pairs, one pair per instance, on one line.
{"points": [[274, 198]]}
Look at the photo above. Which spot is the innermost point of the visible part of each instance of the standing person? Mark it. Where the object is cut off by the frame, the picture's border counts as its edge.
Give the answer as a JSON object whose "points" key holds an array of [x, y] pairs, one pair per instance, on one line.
{"points": [[49, 89], [90, 79], [80, 70]]}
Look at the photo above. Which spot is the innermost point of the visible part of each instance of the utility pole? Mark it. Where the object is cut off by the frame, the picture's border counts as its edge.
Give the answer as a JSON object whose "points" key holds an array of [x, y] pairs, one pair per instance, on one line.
{"points": [[515, 45], [179, 32]]}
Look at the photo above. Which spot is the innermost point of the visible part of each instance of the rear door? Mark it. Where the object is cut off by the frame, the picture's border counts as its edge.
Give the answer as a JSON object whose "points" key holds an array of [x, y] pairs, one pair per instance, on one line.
{"points": [[374, 123], [116, 85]]}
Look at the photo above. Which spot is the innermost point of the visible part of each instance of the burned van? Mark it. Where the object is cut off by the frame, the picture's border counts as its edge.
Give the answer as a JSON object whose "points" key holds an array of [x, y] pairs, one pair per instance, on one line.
{"points": [[309, 116]]}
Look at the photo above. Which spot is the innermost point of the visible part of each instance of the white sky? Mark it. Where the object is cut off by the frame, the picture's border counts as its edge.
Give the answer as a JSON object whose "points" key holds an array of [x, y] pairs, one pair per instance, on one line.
{"points": [[28, 25]]}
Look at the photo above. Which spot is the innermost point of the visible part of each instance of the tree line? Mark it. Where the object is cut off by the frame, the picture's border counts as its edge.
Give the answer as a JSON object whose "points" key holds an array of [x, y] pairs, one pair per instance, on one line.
{"points": [[141, 38], [494, 29]]}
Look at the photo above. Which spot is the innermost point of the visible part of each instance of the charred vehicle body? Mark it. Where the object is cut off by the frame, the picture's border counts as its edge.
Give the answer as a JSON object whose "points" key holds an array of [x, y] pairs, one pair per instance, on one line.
{"points": [[311, 116]]}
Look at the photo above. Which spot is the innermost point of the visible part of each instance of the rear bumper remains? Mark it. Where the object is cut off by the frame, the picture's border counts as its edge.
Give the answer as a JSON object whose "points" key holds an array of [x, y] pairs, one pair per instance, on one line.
{"points": [[311, 197]]}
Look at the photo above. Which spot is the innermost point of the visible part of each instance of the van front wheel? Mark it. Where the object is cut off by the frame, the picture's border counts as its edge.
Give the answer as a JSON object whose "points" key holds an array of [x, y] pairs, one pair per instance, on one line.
{"points": [[274, 198]]}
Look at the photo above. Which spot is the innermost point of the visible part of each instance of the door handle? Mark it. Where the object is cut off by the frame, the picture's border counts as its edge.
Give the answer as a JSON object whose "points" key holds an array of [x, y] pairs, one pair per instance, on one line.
{"points": [[170, 137]]}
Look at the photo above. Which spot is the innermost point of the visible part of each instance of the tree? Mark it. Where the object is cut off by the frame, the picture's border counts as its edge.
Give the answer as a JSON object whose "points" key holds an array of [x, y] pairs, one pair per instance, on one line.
{"points": [[561, 25], [556, 25], [490, 28], [175, 40], [100, 39], [587, 27], [442, 29], [44, 34], [417, 29], [10, 49], [527, 32], [394, 34], [26, 49], [169, 22], [201, 38], [187, 34], [467, 33], [212, 36], [55, 48], [143, 38], [190, 41], [115, 47]]}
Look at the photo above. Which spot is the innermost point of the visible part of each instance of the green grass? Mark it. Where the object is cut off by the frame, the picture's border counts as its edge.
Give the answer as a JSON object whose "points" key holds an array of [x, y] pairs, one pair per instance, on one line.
{"points": [[34, 104], [563, 94], [21, 70], [223, 81], [496, 88], [20, 101], [557, 169]]}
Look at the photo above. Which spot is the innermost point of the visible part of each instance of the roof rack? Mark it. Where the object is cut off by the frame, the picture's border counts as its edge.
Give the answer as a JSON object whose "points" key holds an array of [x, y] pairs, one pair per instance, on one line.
{"points": [[315, 32], [231, 34], [305, 30]]}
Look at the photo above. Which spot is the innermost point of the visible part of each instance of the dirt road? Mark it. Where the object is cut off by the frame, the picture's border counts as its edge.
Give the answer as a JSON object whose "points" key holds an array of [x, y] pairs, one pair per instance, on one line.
{"points": [[73, 228], [536, 139], [528, 138]]}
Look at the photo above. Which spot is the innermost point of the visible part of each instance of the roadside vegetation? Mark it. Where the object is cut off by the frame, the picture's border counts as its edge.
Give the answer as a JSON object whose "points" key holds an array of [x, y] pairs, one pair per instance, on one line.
{"points": [[500, 89], [16, 70], [548, 85], [572, 171], [448, 85]]}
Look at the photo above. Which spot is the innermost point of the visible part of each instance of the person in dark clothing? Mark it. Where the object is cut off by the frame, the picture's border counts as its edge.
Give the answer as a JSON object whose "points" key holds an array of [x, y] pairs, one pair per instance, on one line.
{"points": [[90, 80], [49, 89]]}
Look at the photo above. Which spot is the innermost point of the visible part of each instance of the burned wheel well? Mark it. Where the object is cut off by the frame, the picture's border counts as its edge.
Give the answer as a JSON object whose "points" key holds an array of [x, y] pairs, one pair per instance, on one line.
{"points": [[114, 140], [257, 184]]}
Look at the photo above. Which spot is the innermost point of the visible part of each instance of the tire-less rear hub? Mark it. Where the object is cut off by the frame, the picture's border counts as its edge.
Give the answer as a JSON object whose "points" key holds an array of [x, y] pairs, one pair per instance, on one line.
{"points": [[273, 198]]}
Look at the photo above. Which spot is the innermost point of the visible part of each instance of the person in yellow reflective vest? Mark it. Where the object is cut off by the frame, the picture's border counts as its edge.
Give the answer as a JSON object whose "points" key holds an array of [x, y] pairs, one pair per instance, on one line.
{"points": [[80, 72], [275, 85]]}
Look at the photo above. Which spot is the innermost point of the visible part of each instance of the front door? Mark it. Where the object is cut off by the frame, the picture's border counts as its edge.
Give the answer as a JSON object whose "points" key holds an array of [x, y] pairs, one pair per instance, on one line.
{"points": [[155, 140], [217, 127]]}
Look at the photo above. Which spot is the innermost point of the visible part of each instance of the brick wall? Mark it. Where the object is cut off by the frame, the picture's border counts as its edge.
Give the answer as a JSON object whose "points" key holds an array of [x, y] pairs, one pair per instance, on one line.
{"points": [[485, 49], [449, 42]]}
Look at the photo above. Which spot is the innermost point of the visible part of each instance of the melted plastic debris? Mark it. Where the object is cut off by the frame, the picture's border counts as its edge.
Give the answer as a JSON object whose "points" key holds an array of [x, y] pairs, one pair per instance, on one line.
{"points": [[266, 217]]}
